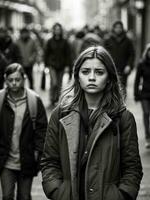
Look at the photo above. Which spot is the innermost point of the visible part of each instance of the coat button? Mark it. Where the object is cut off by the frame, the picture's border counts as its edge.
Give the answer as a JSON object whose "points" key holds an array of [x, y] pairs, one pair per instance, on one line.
{"points": [[102, 125], [91, 190], [85, 152]]}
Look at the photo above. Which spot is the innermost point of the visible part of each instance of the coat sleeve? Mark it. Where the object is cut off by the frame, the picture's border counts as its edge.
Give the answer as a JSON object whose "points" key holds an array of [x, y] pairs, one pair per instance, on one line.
{"points": [[50, 162], [41, 126], [131, 167], [138, 76], [131, 54]]}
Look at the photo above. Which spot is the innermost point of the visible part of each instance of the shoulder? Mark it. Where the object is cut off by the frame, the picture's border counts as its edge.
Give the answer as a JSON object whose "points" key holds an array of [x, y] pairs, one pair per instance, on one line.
{"points": [[127, 114], [56, 113], [128, 40], [49, 41], [32, 92], [65, 41], [33, 97], [127, 120]]}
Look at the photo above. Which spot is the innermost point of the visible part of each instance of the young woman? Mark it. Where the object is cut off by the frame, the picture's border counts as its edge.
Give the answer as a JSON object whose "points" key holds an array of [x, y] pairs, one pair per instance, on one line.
{"points": [[21, 141], [91, 147], [142, 90]]}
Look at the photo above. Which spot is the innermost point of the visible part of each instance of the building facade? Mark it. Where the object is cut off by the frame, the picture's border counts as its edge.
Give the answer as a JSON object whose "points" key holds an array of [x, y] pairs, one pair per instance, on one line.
{"points": [[17, 13]]}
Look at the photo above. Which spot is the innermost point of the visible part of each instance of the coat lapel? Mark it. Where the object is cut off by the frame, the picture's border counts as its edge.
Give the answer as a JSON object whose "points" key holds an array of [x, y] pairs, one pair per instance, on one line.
{"points": [[71, 124], [101, 124]]}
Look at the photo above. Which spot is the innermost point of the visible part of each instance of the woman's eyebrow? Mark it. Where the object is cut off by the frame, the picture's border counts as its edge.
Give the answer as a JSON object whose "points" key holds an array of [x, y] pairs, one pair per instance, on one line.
{"points": [[85, 68]]}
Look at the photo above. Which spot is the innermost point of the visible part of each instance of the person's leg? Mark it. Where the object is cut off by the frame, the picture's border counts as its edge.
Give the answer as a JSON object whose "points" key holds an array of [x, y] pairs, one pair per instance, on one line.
{"points": [[59, 78], [8, 180], [29, 72], [53, 85], [146, 115], [24, 187]]}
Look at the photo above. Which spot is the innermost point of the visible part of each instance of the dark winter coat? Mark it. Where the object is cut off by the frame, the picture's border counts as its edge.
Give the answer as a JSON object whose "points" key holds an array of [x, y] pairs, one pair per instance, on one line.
{"points": [[10, 50], [57, 53], [28, 50], [30, 140], [142, 80], [121, 49], [142, 77], [113, 166], [3, 64]]}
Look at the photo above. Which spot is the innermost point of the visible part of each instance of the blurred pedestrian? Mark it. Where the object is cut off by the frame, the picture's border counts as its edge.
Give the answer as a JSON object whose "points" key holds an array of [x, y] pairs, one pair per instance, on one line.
{"points": [[142, 90], [57, 57], [91, 39], [21, 135], [29, 52], [8, 47], [91, 146], [79, 35], [3, 64], [122, 51]]}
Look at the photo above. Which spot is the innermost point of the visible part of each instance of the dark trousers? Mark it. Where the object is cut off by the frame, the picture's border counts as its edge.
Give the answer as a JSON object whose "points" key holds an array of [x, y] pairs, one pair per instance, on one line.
{"points": [[146, 117], [9, 178], [29, 72], [56, 77]]}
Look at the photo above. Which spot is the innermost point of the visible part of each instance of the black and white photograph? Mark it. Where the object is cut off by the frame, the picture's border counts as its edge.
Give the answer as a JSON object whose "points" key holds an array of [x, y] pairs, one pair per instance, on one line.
{"points": [[74, 100]]}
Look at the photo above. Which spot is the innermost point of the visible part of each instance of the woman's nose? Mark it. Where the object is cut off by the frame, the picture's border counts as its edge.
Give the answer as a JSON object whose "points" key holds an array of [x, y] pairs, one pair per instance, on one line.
{"points": [[14, 82], [92, 76]]}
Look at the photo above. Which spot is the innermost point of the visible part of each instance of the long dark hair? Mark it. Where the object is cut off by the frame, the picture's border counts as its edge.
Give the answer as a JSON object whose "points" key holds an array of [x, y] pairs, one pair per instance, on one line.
{"points": [[112, 99]]}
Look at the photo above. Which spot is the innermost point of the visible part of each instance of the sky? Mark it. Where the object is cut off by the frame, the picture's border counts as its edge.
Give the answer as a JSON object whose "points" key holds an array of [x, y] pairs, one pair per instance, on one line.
{"points": [[73, 12]]}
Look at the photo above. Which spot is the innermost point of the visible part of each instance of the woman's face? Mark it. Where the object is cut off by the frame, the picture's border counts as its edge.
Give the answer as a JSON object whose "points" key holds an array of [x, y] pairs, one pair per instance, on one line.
{"points": [[93, 76], [15, 82], [57, 30]]}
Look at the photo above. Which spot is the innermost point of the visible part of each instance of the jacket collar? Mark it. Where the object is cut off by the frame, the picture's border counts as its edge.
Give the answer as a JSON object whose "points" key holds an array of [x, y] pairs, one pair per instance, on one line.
{"points": [[71, 124], [69, 119]]}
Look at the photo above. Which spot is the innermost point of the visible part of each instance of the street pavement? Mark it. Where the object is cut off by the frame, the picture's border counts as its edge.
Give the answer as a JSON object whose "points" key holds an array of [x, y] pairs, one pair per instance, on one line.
{"points": [[134, 107]]}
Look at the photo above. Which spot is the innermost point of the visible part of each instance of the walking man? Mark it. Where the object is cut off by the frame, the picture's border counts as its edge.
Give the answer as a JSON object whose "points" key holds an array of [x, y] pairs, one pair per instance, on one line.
{"points": [[22, 132]]}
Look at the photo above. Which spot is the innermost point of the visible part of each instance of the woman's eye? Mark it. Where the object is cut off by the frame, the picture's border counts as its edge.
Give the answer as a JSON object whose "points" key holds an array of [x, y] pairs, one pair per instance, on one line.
{"points": [[18, 79], [85, 72], [10, 80], [98, 72]]}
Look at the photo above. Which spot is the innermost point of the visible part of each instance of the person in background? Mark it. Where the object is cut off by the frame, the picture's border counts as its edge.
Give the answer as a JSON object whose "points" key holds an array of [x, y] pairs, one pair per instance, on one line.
{"points": [[3, 64], [29, 51], [78, 42], [91, 147], [122, 51], [57, 56], [142, 90], [8, 48], [91, 38], [21, 141]]}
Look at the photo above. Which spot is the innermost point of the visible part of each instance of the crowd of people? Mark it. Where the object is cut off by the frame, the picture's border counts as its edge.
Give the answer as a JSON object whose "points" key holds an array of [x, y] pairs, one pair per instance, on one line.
{"points": [[89, 148]]}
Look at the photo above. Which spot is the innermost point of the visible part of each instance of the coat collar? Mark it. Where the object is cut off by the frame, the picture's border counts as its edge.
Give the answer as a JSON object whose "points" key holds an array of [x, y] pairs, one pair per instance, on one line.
{"points": [[70, 119], [71, 124]]}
